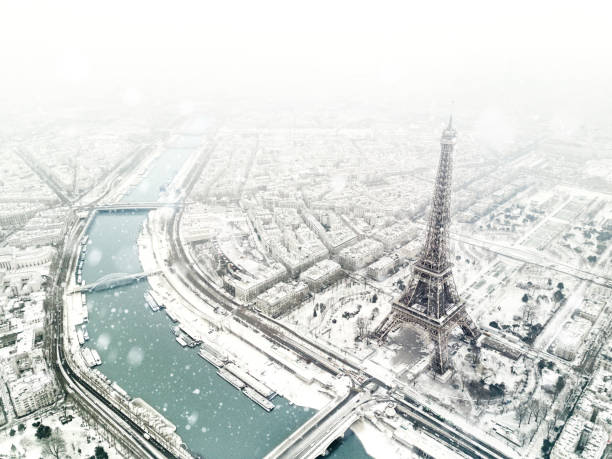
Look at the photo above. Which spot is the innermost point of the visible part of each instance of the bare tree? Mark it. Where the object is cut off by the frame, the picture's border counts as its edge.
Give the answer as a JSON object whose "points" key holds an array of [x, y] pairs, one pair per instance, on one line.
{"points": [[528, 313], [541, 412], [550, 427], [534, 409], [363, 327], [521, 412], [55, 446], [552, 423]]}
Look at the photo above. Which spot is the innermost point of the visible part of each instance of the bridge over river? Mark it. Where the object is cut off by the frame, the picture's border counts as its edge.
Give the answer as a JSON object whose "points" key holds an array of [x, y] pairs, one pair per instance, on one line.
{"points": [[136, 206], [313, 438], [113, 280]]}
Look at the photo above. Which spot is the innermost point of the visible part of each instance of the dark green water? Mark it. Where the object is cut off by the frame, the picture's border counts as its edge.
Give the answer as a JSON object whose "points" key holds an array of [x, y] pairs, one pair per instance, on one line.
{"points": [[139, 351]]}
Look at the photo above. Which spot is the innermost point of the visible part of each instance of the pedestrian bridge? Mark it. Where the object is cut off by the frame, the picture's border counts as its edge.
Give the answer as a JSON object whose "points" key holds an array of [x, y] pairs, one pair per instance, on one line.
{"points": [[113, 280]]}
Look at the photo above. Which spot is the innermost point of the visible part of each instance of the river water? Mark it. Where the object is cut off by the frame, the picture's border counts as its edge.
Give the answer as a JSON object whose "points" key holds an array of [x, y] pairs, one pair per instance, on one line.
{"points": [[139, 351]]}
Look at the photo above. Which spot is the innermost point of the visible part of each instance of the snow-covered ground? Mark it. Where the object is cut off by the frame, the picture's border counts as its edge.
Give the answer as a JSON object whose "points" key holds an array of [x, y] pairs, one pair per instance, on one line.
{"points": [[79, 438], [398, 438], [343, 315]]}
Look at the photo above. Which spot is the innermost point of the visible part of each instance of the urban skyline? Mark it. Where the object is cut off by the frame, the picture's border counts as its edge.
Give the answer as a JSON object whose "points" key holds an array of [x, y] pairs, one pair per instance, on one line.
{"points": [[253, 230]]}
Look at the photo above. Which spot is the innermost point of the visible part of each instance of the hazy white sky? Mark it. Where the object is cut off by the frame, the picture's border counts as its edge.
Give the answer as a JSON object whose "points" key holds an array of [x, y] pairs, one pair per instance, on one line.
{"points": [[541, 50]]}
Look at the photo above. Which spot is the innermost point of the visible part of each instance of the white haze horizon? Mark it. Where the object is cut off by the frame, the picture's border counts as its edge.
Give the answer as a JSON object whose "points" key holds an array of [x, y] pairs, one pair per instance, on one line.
{"points": [[550, 58]]}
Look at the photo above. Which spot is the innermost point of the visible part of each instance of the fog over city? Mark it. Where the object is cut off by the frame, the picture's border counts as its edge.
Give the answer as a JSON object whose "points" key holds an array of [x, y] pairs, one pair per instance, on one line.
{"points": [[277, 229], [537, 57]]}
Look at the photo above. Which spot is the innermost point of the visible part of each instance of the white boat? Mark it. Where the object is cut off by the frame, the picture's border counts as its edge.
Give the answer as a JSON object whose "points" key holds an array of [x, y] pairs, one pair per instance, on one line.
{"points": [[171, 316], [80, 336], [88, 357], [209, 357], [251, 381], [151, 302], [258, 398], [156, 300], [120, 390], [230, 378], [96, 357]]}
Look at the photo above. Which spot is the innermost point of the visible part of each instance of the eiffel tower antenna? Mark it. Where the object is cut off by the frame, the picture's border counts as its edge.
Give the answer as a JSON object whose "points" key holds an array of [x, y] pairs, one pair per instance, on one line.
{"points": [[431, 300]]}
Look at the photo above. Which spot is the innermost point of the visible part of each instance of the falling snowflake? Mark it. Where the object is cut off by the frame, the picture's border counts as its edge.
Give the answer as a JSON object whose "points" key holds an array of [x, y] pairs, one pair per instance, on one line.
{"points": [[135, 356]]}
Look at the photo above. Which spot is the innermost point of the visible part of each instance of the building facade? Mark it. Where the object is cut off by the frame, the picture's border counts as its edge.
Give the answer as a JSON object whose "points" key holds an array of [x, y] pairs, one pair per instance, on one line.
{"points": [[281, 298], [321, 275], [32, 393]]}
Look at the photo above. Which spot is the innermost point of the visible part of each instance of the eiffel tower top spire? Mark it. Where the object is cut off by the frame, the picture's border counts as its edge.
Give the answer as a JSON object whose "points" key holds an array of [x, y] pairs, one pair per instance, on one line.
{"points": [[449, 134]]}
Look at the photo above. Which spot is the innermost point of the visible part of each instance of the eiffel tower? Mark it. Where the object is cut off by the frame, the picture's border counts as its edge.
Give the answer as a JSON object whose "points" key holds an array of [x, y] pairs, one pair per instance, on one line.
{"points": [[431, 300]]}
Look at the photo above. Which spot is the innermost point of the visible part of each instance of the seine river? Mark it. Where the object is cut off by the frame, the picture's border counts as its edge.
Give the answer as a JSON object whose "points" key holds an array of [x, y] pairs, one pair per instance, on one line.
{"points": [[139, 351]]}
